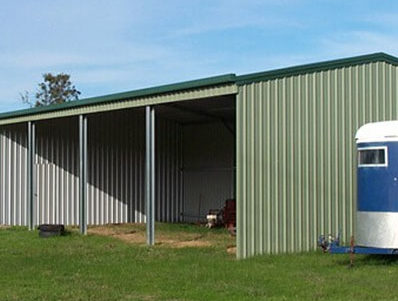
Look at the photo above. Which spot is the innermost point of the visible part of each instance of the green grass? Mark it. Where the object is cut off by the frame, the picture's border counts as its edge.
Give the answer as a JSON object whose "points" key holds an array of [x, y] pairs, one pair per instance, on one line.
{"points": [[94, 267]]}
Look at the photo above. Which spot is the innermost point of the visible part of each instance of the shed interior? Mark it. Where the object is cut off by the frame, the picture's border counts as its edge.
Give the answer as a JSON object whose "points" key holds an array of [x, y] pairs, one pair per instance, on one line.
{"points": [[194, 171], [208, 153]]}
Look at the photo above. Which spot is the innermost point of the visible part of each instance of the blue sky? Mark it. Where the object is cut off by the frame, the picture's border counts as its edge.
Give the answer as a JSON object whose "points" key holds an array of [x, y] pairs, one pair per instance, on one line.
{"points": [[113, 46]]}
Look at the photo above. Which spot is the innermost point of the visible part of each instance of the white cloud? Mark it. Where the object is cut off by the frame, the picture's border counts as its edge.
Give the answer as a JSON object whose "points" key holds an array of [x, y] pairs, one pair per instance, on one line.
{"points": [[385, 19], [111, 46], [224, 15], [360, 42], [123, 54]]}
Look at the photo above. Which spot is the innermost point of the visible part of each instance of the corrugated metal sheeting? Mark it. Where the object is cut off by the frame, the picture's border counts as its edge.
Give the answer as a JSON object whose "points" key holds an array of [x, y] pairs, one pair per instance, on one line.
{"points": [[116, 153], [209, 172], [296, 157], [169, 177], [57, 172], [13, 156]]}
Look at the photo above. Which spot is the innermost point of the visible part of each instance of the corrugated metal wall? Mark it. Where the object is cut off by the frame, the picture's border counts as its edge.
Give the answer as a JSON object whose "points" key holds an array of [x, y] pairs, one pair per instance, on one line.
{"points": [[116, 192], [209, 172], [57, 172], [116, 153], [296, 162], [13, 156], [169, 178]]}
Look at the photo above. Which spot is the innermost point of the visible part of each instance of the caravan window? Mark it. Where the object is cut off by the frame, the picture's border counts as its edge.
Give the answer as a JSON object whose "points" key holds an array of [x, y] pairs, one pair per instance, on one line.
{"points": [[372, 157]]}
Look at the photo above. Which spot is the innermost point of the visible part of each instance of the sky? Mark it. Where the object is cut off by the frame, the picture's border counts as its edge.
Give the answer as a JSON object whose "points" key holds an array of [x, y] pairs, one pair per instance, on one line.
{"points": [[115, 45]]}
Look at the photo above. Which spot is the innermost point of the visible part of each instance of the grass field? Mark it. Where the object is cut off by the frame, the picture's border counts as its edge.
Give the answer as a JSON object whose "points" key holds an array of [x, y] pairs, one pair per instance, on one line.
{"points": [[108, 266]]}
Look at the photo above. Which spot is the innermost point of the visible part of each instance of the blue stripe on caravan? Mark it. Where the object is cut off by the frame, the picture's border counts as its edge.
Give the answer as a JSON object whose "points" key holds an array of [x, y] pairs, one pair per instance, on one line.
{"points": [[378, 186]]}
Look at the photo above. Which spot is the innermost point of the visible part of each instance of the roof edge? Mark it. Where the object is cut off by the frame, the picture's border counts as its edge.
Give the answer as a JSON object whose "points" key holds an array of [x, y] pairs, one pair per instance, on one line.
{"points": [[314, 67], [229, 78], [157, 90]]}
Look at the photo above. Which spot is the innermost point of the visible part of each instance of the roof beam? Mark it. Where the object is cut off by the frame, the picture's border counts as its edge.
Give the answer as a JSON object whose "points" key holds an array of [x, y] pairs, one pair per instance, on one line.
{"points": [[203, 113]]}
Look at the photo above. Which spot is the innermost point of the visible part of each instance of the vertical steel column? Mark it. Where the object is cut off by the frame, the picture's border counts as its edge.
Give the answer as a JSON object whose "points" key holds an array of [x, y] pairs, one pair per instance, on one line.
{"points": [[83, 174], [150, 175], [31, 171]]}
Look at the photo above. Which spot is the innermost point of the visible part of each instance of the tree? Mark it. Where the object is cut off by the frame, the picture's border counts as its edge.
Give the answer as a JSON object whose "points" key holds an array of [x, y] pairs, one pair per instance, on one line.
{"points": [[53, 90]]}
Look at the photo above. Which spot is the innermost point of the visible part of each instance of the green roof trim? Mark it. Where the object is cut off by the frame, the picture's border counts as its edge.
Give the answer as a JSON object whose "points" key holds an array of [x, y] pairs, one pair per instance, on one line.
{"points": [[164, 89], [316, 67], [208, 82]]}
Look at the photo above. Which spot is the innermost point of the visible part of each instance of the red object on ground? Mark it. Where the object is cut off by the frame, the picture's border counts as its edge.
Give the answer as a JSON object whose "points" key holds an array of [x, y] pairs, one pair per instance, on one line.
{"points": [[230, 214]]}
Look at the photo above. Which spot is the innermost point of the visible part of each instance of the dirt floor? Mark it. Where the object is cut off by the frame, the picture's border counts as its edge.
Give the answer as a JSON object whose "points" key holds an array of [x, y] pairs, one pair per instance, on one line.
{"points": [[172, 236]]}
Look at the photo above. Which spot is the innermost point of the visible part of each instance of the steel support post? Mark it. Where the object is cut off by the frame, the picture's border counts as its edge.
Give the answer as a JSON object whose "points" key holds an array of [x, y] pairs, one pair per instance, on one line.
{"points": [[83, 174], [31, 171], [150, 175]]}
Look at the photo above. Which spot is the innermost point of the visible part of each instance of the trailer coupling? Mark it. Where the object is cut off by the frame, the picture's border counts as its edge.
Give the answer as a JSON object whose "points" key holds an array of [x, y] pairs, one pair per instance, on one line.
{"points": [[331, 245]]}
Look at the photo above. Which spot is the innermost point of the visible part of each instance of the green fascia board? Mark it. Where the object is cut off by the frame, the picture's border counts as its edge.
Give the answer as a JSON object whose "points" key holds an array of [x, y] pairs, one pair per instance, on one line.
{"points": [[316, 67], [158, 90]]}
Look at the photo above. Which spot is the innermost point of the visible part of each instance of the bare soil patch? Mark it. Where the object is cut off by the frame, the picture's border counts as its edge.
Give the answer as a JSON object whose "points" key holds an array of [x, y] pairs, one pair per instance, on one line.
{"points": [[184, 243], [132, 236], [137, 236], [231, 250]]}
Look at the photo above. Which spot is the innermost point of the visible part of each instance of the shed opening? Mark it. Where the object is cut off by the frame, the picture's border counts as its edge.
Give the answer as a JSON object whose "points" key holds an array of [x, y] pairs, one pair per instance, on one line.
{"points": [[194, 164], [207, 130]]}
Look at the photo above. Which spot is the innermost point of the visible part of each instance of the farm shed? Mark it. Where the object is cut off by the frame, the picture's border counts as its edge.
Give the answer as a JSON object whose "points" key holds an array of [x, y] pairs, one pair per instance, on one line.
{"points": [[280, 142]]}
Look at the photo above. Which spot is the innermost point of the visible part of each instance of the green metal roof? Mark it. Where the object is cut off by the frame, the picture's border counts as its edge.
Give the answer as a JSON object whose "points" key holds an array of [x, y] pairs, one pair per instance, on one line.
{"points": [[199, 83], [206, 82], [322, 66]]}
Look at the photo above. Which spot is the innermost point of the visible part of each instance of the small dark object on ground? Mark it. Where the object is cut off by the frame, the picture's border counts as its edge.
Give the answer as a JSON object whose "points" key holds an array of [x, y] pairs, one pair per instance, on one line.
{"points": [[214, 218], [48, 230], [223, 217], [230, 213]]}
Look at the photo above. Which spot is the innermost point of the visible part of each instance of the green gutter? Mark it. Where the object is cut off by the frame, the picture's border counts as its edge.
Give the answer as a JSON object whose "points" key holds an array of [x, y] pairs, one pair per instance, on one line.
{"points": [[315, 67], [199, 83]]}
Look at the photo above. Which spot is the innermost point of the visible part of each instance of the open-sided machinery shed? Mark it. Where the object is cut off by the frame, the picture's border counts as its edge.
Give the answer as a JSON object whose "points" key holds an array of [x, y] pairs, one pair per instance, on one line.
{"points": [[280, 142]]}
